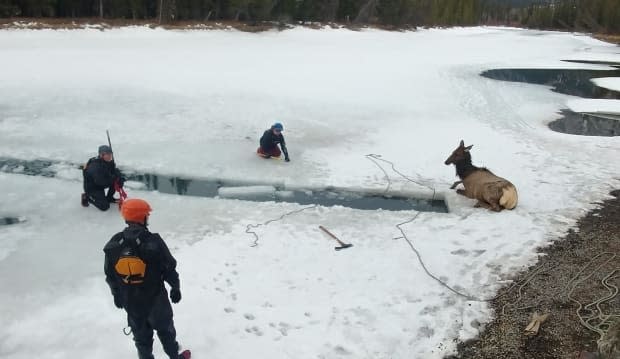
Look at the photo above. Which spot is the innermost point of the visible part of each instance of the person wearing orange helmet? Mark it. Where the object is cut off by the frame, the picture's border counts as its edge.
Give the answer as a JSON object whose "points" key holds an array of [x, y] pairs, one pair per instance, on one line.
{"points": [[137, 263]]}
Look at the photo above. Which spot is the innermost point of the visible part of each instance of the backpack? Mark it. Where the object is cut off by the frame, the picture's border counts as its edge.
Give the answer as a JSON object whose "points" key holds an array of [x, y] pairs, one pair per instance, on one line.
{"points": [[130, 266]]}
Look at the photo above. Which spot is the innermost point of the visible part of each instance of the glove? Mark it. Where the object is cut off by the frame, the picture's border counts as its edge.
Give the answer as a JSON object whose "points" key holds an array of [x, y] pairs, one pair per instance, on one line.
{"points": [[119, 177], [117, 302], [175, 295]]}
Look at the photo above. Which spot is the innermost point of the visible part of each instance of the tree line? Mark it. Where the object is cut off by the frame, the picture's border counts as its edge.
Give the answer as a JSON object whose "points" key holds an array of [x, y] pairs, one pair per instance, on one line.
{"points": [[583, 15]]}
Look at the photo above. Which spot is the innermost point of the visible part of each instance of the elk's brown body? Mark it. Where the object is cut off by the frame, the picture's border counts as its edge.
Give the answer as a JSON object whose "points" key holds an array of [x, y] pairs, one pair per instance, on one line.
{"points": [[492, 192]]}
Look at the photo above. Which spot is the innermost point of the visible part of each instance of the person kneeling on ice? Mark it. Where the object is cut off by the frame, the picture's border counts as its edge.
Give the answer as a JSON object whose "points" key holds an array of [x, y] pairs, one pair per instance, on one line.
{"points": [[137, 262], [270, 140], [101, 173]]}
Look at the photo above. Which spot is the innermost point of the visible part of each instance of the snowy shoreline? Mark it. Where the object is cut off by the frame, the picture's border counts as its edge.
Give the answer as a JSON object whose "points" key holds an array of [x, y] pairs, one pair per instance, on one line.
{"points": [[111, 24]]}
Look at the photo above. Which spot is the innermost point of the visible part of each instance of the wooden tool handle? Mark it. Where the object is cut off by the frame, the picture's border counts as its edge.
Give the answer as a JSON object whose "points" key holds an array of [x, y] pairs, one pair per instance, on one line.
{"points": [[329, 233]]}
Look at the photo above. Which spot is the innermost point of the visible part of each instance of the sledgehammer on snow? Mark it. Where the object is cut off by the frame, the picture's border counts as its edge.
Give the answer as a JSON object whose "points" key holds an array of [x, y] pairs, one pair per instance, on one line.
{"points": [[342, 244]]}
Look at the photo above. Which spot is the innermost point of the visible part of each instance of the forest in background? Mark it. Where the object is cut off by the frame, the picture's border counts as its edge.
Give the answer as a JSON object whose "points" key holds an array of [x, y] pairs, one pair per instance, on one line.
{"points": [[600, 16]]}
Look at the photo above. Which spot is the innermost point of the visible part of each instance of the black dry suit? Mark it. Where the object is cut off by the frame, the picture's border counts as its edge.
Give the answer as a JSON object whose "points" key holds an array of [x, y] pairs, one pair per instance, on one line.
{"points": [[270, 140], [99, 175], [137, 262]]}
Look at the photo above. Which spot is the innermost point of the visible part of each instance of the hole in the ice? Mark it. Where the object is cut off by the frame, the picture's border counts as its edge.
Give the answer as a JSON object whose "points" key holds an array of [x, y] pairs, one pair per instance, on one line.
{"points": [[587, 124], [250, 192], [575, 82], [32, 167], [325, 196], [5, 221]]}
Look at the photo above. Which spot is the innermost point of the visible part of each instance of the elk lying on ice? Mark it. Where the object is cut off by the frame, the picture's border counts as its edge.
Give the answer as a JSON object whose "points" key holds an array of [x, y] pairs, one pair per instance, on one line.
{"points": [[491, 191]]}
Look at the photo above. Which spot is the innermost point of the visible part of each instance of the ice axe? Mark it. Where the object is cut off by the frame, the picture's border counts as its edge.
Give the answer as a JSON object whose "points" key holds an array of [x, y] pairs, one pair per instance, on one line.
{"points": [[342, 244]]}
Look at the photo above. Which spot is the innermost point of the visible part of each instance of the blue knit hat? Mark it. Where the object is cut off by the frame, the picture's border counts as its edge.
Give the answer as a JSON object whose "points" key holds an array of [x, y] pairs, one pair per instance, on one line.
{"points": [[278, 126]]}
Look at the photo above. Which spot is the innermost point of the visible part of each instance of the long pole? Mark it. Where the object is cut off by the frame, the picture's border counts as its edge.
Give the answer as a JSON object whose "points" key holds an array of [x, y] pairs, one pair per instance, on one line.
{"points": [[107, 132], [117, 185]]}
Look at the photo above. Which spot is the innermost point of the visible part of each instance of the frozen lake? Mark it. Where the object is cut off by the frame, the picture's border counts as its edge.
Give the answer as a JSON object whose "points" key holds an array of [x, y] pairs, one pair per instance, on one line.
{"points": [[192, 104]]}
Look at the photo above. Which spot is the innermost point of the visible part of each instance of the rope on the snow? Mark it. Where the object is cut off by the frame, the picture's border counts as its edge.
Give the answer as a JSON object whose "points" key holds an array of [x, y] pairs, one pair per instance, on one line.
{"points": [[375, 158], [256, 225], [590, 315]]}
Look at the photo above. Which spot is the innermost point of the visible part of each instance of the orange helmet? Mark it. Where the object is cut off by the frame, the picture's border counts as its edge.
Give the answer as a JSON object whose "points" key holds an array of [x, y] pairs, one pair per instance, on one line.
{"points": [[135, 210]]}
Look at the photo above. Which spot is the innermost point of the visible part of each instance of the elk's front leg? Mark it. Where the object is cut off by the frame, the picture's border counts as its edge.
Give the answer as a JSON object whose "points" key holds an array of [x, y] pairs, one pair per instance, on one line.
{"points": [[482, 204], [455, 184]]}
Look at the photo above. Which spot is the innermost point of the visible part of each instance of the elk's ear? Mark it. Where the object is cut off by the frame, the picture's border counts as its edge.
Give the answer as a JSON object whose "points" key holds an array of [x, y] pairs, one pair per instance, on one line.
{"points": [[462, 144], [468, 147]]}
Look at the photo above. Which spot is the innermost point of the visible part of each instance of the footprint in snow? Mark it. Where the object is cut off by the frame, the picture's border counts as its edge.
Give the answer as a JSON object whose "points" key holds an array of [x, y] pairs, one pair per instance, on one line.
{"points": [[425, 332], [229, 310], [479, 252], [341, 350], [249, 316], [254, 330], [429, 310], [411, 299], [460, 252]]}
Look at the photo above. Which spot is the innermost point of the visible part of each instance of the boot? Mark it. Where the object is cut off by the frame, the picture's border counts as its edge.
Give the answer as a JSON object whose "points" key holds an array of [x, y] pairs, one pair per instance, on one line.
{"points": [[84, 200]]}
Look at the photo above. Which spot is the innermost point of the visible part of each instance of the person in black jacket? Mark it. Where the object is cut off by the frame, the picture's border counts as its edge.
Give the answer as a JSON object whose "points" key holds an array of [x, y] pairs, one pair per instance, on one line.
{"points": [[270, 140], [99, 174], [137, 263]]}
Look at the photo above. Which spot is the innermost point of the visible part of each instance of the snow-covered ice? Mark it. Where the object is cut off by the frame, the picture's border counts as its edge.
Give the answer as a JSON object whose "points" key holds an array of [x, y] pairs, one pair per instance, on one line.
{"points": [[602, 106], [194, 104], [611, 83]]}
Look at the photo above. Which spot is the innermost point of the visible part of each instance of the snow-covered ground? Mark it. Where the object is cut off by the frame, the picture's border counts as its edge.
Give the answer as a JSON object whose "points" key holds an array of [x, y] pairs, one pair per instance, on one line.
{"points": [[194, 104]]}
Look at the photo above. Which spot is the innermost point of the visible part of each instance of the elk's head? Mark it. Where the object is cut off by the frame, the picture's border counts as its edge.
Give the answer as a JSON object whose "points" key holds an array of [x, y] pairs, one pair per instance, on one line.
{"points": [[459, 154]]}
